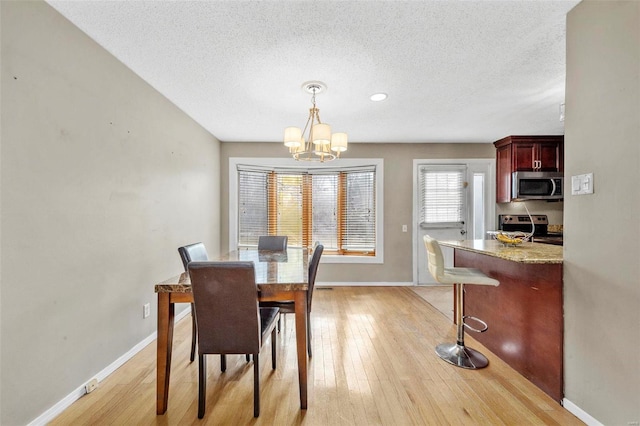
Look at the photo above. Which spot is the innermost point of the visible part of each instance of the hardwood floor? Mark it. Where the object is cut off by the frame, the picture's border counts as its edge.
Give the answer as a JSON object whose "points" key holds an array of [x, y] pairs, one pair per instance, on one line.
{"points": [[373, 363]]}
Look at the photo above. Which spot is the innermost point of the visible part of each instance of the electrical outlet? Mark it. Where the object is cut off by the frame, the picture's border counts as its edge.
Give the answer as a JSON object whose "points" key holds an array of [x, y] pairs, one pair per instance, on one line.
{"points": [[91, 386], [146, 310], [404, 228]]}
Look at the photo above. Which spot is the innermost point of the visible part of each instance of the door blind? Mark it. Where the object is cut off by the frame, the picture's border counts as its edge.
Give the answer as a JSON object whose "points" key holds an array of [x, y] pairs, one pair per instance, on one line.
{"points": [[442, 196]]}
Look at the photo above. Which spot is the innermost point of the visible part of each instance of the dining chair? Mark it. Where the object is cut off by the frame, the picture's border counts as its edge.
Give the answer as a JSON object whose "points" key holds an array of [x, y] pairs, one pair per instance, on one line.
{"points": [[288, 306], [194, 253], [272, 242], [190, 253], [229, 319]]}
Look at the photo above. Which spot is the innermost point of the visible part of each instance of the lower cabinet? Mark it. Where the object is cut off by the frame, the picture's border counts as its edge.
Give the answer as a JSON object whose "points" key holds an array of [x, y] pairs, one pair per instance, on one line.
{"points": [[524, 314]]}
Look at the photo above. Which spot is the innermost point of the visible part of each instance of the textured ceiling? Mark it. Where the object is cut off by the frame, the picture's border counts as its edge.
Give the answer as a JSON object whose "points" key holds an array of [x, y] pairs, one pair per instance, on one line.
{"points": [[455, 71]]}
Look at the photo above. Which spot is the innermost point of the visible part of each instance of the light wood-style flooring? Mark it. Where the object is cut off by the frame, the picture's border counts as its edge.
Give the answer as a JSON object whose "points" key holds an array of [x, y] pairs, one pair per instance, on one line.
{"points": [[373, 364]]}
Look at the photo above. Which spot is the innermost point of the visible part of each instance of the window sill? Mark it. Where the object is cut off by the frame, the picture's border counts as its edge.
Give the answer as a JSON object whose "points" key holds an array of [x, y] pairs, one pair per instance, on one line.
{"points": [[352, 259]]}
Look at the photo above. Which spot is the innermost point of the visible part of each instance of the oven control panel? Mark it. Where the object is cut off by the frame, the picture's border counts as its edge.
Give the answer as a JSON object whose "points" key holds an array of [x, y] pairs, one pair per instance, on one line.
{"points": [[538, 219]]}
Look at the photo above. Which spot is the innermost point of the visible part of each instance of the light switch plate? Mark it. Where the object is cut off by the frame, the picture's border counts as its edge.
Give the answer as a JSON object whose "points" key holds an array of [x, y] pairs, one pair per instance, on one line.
{"points": [[582, 184]]}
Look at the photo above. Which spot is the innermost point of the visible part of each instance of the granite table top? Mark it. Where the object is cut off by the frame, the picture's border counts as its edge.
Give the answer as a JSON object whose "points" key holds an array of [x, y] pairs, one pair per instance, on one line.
{"points": [[274, 271]]}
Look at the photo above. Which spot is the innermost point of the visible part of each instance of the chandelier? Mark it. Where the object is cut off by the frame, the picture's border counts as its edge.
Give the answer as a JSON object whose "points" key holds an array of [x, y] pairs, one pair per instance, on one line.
{"points": [[319, 144]]}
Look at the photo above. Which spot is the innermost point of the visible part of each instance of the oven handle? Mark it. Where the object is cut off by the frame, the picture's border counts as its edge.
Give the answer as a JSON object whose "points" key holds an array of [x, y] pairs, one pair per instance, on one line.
{"points": [[553, 183]]}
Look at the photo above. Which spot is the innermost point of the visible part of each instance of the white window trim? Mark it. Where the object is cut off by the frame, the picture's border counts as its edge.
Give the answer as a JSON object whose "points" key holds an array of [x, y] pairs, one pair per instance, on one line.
{"points": [[290, 162]]}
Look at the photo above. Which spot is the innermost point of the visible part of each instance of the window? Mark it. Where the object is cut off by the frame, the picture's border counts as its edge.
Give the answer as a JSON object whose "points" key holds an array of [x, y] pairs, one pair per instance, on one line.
{"points": [[442, 196], [338, 206]]}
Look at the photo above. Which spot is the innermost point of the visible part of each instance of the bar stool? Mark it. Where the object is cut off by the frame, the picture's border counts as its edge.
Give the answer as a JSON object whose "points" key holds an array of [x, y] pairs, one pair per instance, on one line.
{"points": [[457, 353]]}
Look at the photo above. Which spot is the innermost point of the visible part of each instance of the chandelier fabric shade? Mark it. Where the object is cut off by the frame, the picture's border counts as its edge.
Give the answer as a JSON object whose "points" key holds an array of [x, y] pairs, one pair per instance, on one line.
{"points": [[293, 137], [339, 142], [321, 134], [320, 144]]}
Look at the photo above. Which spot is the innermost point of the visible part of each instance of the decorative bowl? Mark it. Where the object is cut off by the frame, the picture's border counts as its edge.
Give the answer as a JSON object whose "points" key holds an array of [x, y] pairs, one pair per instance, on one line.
{"points": [[510, 238]]}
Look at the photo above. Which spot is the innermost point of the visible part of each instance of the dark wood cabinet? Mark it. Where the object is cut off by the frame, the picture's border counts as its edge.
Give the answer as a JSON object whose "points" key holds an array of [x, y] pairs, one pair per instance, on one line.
{"points": [[525, 154]]}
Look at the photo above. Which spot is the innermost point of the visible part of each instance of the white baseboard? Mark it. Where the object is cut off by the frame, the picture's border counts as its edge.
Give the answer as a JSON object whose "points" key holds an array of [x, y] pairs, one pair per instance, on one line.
{"points": [[76, 394], [365, 284], [64, 403], [580, 413]]}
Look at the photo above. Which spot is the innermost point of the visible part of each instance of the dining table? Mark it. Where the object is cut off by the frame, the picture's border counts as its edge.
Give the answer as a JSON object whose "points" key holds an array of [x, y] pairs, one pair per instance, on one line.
{"points": [[280, 276]]}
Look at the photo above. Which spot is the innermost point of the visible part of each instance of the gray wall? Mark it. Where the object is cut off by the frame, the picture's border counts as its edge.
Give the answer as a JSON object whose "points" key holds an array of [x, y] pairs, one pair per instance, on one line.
{"points": [[398, 201], [602, 231], [98, 172]]}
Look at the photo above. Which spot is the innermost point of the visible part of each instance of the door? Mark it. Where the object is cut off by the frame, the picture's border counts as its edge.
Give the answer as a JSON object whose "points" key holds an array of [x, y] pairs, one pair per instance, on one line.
{"points": [[548, 154], [452, 202], [524, 157]]}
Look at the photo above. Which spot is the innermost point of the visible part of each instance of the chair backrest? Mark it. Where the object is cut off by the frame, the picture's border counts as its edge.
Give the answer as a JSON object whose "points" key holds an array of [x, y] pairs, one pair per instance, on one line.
{"points": [[226, 305], [272, 242], [192, 253], [313, 271], [434, 257]]}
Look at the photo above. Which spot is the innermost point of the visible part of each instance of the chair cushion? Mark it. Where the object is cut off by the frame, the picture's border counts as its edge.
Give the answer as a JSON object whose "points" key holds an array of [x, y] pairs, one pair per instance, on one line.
{"points": [[459, 275], [268, 318], [454, 275], [286, 306]]}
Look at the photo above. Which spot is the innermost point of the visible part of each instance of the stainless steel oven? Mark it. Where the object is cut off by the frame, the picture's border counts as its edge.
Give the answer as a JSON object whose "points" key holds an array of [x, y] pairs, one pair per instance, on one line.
{"points": [[522, 223]]}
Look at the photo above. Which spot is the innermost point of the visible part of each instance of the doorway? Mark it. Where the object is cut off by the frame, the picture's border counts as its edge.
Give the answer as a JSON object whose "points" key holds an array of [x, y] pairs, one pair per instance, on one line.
{"points": [[453, 200]]}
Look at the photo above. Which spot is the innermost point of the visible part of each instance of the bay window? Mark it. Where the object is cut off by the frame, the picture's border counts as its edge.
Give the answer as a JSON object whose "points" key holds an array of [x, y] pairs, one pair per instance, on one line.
{"points": [[338, 206]]}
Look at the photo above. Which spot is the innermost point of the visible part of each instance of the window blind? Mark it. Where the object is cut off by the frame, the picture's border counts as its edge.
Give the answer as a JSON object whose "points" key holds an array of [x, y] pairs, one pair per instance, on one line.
{"points": [[253, 207], [325, 210], [335, 207], [358, 201], [442, 196], [287, 211]]}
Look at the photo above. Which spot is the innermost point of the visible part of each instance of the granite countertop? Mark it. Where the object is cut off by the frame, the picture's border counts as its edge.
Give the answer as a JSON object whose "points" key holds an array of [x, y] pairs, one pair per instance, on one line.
{"points": [[523, 253]]}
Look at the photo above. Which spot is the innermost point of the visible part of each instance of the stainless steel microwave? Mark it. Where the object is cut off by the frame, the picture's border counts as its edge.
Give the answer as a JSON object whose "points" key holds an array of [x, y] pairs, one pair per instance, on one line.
{"points": [[537, 186]]}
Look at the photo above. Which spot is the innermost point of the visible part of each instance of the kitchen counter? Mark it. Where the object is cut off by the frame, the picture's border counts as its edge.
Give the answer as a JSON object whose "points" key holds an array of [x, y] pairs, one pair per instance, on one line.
{"points": [[522, 253], [524, 312]]}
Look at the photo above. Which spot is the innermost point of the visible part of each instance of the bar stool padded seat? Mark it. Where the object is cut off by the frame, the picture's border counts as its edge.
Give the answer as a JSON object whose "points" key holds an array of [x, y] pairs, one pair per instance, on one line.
{"points": [[466, 276]]}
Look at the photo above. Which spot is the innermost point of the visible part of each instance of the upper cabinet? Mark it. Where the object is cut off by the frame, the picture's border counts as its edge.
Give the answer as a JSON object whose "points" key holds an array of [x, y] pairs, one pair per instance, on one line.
{"points": [[526, 154]]}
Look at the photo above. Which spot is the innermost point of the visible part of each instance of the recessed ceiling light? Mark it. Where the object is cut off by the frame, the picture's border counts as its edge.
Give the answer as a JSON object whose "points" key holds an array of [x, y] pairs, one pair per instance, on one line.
{"points": [[377, 97]]}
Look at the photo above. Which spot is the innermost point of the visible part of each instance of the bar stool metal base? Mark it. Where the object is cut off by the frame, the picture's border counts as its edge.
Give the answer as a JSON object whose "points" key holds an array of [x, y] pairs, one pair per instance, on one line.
{"points": [[461, 356]]}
